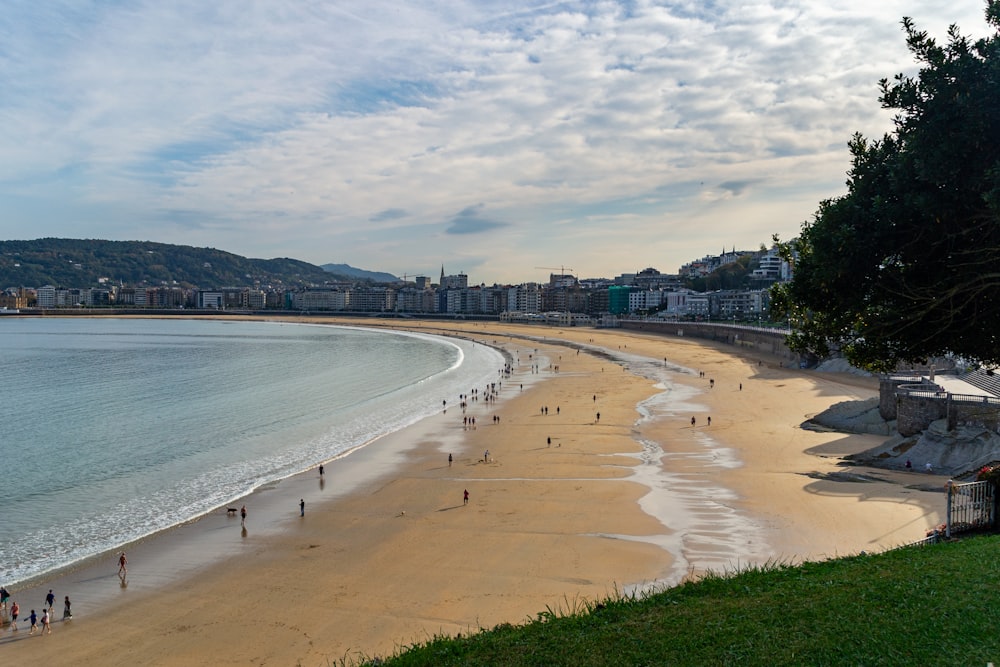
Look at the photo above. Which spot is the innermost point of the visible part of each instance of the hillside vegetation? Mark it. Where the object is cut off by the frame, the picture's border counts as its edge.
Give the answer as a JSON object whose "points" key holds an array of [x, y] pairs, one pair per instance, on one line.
{"points": [[85, 263], [933, 605], [736, 275]]}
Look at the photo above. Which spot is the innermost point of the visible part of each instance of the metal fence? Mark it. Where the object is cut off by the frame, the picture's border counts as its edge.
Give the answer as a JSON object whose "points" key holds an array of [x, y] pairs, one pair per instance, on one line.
{"points": [[971, 399], [922, 391], [933, 537], [971, 506]]}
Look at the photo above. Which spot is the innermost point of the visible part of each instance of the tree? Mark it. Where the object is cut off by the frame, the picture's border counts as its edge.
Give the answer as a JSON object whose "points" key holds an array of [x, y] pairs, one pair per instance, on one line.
{"points": [[906, 265]]}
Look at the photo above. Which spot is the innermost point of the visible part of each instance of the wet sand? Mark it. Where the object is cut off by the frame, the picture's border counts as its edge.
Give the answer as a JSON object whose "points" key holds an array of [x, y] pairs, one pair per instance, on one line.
{"points": [[387, 554]]}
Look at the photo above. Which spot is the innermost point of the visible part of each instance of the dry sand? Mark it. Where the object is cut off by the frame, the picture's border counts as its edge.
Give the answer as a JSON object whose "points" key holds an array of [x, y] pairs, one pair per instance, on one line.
{"points": [[388, 555]]}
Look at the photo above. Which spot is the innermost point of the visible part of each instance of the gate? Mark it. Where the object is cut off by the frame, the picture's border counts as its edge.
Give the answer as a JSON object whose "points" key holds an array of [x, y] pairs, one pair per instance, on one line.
{"points": [[971, 506]]}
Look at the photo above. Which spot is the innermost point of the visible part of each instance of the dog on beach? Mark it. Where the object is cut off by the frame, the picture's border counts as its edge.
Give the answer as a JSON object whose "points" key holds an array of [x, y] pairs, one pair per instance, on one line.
{"points": [[232, 511]]}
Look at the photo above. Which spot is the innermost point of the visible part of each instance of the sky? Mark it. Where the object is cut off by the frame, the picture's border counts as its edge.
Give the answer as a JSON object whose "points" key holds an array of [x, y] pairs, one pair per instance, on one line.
{"points": [[502, 139]]}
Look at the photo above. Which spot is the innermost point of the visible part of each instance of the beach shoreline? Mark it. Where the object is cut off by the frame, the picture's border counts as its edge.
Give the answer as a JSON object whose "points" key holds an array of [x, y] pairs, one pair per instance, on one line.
{"points": [[64, 516], [584, 516]]}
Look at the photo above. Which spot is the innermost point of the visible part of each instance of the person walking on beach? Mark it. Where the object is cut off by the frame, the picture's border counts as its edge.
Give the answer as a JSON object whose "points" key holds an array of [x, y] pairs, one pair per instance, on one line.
{"points": [[465, 497], [67, 611], [243, 516], [50, 600], [449, 460], [14, 611], [46, 626], [122, 565], [320, 469], [4, 596], [302, 507], [34, 622]]}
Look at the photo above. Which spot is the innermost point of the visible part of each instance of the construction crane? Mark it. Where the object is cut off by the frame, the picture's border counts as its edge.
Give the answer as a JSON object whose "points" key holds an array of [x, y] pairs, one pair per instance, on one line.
{"points": [[562, 269], [562, 273]]}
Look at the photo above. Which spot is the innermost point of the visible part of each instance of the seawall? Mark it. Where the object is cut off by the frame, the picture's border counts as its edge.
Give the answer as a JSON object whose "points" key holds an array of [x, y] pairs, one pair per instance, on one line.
{"points": [[748, 338]]}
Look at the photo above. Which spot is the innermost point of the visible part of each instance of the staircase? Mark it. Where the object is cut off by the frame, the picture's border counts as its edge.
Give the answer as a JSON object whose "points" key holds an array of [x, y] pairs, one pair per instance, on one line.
{"points": [[985, 379]]}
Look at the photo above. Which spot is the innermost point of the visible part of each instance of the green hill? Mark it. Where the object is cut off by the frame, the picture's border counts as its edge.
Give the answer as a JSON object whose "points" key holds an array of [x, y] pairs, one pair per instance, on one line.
{"points": [[736, 275], [932, 605], [86, 263], [360, 274]]}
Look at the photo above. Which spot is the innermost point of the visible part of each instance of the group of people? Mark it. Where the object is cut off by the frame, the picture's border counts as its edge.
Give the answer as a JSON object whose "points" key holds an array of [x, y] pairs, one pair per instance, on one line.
{"points": [[490, 393], [11, 609]]}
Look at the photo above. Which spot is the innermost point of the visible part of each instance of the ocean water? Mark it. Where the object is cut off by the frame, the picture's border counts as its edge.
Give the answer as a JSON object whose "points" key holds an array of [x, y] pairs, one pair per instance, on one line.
{"points": [[114, 429]]}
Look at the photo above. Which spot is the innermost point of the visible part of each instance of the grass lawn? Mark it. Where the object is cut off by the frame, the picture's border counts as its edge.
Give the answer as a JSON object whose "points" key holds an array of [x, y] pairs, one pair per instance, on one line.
{"points": [[933, 605]]}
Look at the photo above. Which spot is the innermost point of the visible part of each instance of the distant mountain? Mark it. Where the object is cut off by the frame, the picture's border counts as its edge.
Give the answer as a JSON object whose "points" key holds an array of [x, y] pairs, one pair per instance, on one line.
{"points": [[360, 274], [73, 263]]}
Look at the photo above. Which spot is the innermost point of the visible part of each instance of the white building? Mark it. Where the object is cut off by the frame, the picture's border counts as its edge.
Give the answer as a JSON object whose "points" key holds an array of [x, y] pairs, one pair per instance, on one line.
{"points": [[372, 299], [646, 299], [525, 298], [772, 268], [213, 300], [320, 299], [46, 296]]}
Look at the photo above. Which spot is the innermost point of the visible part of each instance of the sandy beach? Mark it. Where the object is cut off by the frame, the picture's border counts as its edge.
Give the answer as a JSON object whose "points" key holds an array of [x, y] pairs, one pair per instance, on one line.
{"points": [[568, 506]]}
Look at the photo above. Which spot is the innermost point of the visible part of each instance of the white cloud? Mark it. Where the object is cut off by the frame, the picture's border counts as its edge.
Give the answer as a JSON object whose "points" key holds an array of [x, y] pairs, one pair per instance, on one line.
{"points": [[605, 136]]}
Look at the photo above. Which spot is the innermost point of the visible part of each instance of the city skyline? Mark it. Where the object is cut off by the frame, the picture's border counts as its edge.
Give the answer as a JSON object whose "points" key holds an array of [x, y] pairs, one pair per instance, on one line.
{"points": [[597, 136]]}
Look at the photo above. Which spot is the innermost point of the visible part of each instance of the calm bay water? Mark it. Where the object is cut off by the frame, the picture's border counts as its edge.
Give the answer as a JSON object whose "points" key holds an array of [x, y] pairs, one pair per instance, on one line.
{"points": [[117, 428]]}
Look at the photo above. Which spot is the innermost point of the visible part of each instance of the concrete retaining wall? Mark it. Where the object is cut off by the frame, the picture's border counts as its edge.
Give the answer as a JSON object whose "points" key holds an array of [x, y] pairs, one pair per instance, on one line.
{"points": [[967, 412], [915, 412], [768, 341], [919, 405], [887, 399]]}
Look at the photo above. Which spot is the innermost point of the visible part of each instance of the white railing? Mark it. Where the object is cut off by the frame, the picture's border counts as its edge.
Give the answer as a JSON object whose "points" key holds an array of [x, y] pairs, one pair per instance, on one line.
{"points": [[970, 507]]}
